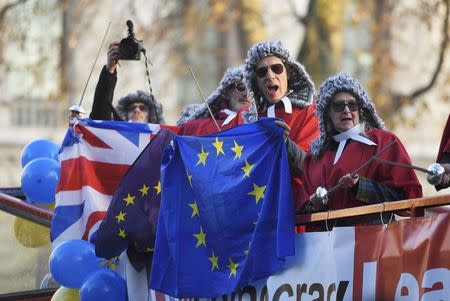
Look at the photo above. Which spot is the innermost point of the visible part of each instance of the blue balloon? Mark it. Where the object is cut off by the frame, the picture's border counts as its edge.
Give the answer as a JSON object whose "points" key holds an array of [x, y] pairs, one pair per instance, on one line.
{"points": [[104, 285], [72, 262], [39, 179], [39, 148]]}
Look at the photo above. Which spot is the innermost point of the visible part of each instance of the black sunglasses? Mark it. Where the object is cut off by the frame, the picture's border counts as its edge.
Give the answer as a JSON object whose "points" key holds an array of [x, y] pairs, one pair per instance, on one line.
{"points": [[339, 107], [276, 68], [240, 87], [141, 107]]}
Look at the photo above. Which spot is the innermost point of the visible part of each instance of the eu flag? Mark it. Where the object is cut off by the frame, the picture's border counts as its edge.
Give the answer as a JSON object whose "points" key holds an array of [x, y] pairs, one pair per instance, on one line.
{"points": [[130, 222], [227, 212]]}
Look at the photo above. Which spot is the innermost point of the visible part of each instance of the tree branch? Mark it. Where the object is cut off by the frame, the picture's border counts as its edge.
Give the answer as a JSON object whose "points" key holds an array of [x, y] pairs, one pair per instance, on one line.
{"points": [[304, 20], [440, 62]]}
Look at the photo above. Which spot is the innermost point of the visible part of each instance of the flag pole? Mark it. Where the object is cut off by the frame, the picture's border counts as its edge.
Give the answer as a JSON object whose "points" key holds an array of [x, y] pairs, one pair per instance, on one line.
{"points": [[204, 99], [93, 65]]}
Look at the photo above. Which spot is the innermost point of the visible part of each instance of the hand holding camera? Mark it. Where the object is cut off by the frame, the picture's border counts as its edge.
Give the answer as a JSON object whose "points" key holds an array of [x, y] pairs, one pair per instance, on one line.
{"points": [[128, 48], [113, 56]]}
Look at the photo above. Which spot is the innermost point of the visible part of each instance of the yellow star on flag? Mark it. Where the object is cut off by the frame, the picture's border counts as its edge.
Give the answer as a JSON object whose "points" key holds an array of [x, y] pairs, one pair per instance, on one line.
{"points": [[144, 190], [202, 157], [258, 192], [120, 217], [232, 266], [201, 238], [247, 168], [122, 233], [189, 177], [218, 145], [129, 199], [109, 263], [214, 262], [194, 209], [158, 188], [149, 250], [237, 149]]}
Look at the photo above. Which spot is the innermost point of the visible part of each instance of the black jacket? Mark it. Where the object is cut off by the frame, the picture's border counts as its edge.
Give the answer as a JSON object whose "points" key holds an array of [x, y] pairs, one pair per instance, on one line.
{"points": [[102, 108]]}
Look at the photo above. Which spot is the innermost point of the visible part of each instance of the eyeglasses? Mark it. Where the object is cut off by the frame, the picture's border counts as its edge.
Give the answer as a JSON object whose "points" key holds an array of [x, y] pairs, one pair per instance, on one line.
{"points": [[276, 68], [141, 107], [339, 107], [240, 87]]}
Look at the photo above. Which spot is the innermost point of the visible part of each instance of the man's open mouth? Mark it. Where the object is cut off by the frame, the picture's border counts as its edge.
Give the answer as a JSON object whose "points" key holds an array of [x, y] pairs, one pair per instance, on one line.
{"points": [[272, 88]]}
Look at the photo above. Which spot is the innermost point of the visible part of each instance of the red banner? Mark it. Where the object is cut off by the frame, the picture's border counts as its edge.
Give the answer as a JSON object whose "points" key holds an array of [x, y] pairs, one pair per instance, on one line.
{"points": [[408, 260]]}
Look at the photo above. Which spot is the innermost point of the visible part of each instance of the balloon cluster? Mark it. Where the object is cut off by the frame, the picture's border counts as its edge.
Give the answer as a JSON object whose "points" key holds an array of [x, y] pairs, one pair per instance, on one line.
{"points": [[41, 171], [74, 265]]}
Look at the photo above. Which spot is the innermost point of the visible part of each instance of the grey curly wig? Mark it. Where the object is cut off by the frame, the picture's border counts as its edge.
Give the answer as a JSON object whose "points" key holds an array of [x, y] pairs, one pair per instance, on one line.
{"points": [[299, 81], [154, 108], [196, 111], [341, 82]]}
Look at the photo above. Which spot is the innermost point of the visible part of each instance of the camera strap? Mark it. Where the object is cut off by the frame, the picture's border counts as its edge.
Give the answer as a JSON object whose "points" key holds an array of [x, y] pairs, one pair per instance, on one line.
{"points": [[147, 60]]}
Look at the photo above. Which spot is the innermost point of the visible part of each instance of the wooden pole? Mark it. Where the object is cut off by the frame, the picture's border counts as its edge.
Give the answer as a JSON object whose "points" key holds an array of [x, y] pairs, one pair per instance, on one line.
{"points": [[411, 204]]}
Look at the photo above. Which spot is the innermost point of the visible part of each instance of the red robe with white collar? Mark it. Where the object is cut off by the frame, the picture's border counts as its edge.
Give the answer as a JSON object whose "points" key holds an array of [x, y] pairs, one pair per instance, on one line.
{"points": [[206, 126], [322, 172]]}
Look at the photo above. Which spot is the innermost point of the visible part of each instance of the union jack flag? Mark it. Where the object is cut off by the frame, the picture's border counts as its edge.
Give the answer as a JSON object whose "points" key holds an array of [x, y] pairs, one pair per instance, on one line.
{"points": [[94, 156]]}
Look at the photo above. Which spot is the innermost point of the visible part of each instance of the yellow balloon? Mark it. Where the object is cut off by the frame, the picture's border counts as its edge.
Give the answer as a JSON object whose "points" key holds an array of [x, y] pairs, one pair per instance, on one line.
{"points": [[29, 234], [66, 294]]}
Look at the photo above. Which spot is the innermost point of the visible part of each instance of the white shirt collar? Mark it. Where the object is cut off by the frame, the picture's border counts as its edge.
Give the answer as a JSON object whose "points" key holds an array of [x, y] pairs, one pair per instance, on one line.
{"points": [[354, 134], [287, 107], [231, 116]]}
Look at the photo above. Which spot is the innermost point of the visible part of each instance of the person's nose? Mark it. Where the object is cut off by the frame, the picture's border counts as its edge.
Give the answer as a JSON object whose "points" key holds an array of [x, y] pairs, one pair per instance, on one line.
{"points": [[346, 109], [270, 73]]}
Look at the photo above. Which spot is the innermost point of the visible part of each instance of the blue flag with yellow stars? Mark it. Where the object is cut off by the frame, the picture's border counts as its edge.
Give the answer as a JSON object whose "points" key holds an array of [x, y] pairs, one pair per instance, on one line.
{"points": [[227, 211], [130, 222]]}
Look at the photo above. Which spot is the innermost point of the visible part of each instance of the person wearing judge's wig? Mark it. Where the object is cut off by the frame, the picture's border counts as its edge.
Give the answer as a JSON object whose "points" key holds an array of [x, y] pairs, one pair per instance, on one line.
{"points": [[351, 133], [228, 103], [280, 87]]}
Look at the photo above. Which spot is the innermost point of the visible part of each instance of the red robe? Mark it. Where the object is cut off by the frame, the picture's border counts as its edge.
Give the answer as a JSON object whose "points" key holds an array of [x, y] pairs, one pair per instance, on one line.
{"points": [[303, 123], [206, 126], [322, 172], [304, 129]]}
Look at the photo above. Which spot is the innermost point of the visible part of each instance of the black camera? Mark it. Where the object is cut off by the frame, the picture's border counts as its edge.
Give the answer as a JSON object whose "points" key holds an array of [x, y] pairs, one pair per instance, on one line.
{"points": [[130, 48]]}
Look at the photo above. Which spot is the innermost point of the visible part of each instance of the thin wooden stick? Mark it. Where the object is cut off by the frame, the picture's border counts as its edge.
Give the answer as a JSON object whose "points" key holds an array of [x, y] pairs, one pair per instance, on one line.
{"points": [[204, 99]]}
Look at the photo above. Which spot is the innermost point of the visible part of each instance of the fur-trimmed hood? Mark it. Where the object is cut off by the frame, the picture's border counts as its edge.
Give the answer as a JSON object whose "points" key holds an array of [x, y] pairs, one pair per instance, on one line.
{"points": [[342, 82], [155, 108], [216, 101], [299, 81]]}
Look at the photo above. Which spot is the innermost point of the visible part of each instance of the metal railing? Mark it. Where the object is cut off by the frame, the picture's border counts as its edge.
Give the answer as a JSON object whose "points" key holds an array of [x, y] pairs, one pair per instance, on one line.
{"points": [[17, 207]]}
